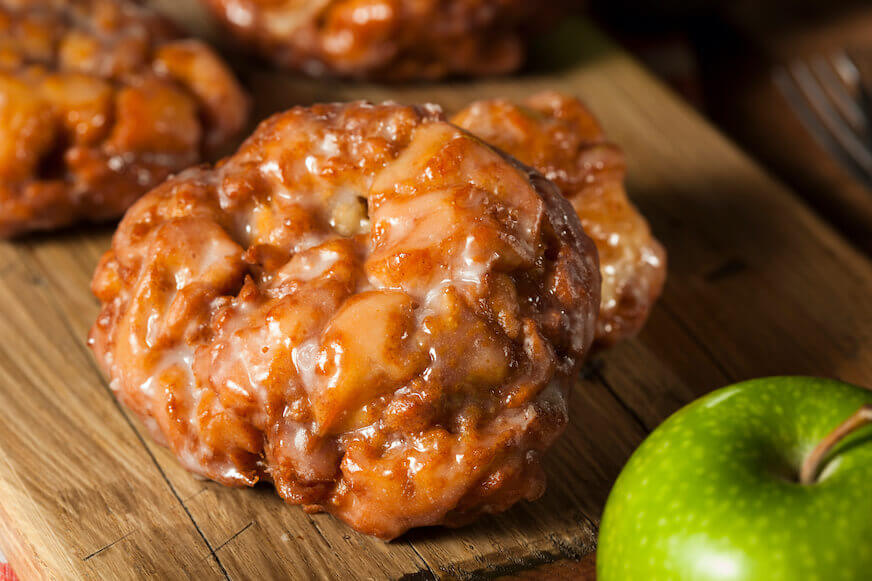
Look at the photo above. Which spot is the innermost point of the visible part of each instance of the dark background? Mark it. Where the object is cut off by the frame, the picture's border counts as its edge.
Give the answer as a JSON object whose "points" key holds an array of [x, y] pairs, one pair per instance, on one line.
{"points": [[722, 56]]}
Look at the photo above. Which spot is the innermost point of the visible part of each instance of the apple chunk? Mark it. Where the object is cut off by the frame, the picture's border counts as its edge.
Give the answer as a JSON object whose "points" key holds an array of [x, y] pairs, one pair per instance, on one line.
{"points": [[369, 349]]}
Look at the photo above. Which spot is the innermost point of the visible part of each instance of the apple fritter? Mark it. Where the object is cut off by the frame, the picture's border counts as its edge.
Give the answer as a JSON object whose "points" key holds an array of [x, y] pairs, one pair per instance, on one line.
{"points": [[558, 136], [99, 102], [365, 305], [394, 40]]}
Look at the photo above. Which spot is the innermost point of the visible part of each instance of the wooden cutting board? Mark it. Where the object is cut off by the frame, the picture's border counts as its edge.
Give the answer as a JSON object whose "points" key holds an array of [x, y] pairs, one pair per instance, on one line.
{"points": [[757, 286]]}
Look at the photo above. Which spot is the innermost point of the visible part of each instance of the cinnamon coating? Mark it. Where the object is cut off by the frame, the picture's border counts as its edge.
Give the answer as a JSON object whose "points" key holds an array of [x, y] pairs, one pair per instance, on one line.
{"points": [[395, 40], [557, 135], [365, 305], [99, 102]]}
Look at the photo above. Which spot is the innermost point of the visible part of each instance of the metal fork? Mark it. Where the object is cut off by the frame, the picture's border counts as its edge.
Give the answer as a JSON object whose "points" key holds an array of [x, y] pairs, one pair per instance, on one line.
{"points": [[830, 95]]}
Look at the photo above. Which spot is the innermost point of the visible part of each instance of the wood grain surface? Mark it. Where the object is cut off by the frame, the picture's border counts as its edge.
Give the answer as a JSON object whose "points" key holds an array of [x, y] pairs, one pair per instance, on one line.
{"points": [[757, 286]]}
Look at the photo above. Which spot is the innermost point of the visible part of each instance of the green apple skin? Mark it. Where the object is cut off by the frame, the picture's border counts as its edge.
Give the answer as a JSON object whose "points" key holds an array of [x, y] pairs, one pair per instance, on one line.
{"points": [[712, 494]]}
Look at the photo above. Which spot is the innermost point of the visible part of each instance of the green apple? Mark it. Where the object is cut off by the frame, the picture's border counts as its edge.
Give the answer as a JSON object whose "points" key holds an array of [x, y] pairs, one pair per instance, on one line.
{"points": [[716, 492]]}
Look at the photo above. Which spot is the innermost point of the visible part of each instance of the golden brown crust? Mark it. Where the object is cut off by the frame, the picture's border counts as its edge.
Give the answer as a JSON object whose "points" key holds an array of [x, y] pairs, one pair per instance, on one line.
{"points": [[389, 39], [558, 136], [365, 305], [99, 103]]}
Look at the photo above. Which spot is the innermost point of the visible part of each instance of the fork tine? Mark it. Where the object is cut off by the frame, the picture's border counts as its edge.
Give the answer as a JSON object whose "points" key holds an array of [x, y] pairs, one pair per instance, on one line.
{"points": [[826, 112], [793, 95], [837, 88], [863, 79], [847, 69]]}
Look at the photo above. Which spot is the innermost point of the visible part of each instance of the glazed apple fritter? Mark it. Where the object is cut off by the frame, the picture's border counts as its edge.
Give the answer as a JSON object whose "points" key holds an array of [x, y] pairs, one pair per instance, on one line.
{"points": [[365, 305], [99, 102], [394, 40], [558, 136]]}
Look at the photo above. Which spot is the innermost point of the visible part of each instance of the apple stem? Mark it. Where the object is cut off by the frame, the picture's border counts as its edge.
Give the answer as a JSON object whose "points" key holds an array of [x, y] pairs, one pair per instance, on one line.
{"points": [[812, 465]]}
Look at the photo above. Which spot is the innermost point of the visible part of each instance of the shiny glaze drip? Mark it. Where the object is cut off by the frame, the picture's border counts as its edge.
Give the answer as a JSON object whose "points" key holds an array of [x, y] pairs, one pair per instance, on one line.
{"points": [[365, 305], [557, 135]]}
